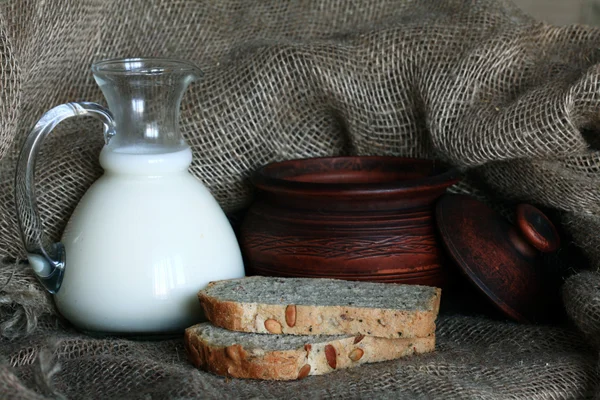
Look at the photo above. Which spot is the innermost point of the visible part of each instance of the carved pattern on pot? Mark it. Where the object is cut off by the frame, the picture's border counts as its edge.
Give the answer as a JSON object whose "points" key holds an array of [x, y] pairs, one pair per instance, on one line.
{"points": [[342, 247]]}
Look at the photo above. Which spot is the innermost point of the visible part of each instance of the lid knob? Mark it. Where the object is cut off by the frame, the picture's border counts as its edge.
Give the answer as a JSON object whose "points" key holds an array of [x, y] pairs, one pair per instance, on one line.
{"points": [[537, 229]]}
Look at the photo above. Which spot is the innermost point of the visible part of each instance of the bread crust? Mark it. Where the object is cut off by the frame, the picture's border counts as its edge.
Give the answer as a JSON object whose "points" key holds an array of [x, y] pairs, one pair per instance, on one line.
{"points": [[323, 320], [238, 362]]}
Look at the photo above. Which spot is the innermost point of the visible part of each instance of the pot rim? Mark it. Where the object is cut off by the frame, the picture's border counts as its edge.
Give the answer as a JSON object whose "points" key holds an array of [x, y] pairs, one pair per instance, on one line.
{"points": [[448, 175]]}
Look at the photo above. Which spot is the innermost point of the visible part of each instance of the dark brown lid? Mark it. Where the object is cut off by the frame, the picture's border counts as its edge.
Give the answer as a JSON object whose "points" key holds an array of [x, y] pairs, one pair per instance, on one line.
{"points": [[500, 259]]}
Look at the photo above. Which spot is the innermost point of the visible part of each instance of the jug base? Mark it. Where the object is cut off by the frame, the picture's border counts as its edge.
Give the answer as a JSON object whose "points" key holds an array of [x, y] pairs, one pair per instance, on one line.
{"points": [[134, 336]]}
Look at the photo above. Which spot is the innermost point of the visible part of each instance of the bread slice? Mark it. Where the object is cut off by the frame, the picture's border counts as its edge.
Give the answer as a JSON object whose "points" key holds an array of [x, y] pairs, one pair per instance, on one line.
{"points": [[317, 306], [287, 357]]}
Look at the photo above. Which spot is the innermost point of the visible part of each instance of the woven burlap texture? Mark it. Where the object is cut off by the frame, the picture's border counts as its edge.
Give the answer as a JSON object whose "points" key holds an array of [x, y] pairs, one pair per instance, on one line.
{"points": [[475, 83]]}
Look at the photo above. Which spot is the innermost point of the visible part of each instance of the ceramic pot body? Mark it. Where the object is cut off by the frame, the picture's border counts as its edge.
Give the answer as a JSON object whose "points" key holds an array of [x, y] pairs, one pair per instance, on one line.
{"points": [[356, 218]]}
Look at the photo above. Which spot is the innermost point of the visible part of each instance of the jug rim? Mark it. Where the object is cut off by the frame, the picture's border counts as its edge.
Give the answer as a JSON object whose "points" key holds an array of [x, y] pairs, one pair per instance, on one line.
{"points": [[145, 65]]}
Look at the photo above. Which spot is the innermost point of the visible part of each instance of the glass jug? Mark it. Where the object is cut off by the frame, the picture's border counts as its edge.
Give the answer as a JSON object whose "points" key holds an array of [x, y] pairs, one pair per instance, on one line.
{"points": [[147, 235]]}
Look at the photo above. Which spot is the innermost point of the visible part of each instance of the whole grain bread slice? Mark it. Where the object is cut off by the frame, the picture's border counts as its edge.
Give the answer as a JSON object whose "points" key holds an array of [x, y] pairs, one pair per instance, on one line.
{"points": [[315, 306], [288, 357]]}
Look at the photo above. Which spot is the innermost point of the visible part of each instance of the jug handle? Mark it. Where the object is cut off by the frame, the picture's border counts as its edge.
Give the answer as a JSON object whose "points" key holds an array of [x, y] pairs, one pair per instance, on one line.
{"points": [[47, 259]]}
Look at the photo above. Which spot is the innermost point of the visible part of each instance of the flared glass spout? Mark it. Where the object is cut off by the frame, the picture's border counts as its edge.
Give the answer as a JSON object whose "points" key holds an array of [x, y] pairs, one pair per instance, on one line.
{"points": [[144, 96]]}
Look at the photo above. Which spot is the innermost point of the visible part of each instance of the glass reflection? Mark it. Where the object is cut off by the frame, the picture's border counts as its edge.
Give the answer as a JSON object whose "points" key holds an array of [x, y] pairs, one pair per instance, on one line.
{"points": [[169, 274]]}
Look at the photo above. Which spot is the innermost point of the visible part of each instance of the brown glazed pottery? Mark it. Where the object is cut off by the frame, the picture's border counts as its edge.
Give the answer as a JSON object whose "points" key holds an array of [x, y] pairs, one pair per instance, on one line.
{"points": [[355, 218], [501, 260]]}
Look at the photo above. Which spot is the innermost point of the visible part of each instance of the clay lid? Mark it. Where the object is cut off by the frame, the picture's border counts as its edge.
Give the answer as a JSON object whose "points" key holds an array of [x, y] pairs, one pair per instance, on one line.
{"points": [[501, 260]]}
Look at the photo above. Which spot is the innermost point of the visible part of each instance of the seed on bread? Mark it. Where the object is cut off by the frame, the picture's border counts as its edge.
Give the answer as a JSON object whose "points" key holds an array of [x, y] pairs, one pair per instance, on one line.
{"points": [[304, 371], [308, 348], [290, 315], [234, 352], [356, 354], [273, 326], [358, 339], [331, 356]]}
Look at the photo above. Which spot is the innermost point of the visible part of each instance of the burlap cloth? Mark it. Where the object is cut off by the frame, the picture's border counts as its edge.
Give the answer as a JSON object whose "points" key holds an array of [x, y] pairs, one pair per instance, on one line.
{"points": [[512, 101]]}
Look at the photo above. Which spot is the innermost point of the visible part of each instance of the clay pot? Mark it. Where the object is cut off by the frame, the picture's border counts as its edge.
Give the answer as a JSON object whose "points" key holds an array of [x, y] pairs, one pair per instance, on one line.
{"points": [[356, 218]]}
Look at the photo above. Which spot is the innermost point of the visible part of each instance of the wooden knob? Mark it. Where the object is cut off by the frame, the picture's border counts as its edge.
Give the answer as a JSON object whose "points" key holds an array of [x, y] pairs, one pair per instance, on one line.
{"points": [[537, 229]]}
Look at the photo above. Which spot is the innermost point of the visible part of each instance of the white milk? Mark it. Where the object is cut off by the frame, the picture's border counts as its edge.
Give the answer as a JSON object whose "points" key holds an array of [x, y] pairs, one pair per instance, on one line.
{"points": [[141, 243]]}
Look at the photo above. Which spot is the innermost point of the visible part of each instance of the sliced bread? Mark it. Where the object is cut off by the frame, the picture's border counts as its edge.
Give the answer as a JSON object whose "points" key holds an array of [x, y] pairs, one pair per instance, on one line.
{"points": [[316, 306], [287, 357]]}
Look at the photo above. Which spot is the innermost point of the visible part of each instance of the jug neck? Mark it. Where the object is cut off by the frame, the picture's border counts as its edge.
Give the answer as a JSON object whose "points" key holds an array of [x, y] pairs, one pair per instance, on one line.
{"points": [[144, 96], [150, 165]]}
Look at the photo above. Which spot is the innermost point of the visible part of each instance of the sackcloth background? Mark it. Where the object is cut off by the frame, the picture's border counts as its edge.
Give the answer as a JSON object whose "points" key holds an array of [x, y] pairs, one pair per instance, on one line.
{"points": [[512, 101]]}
